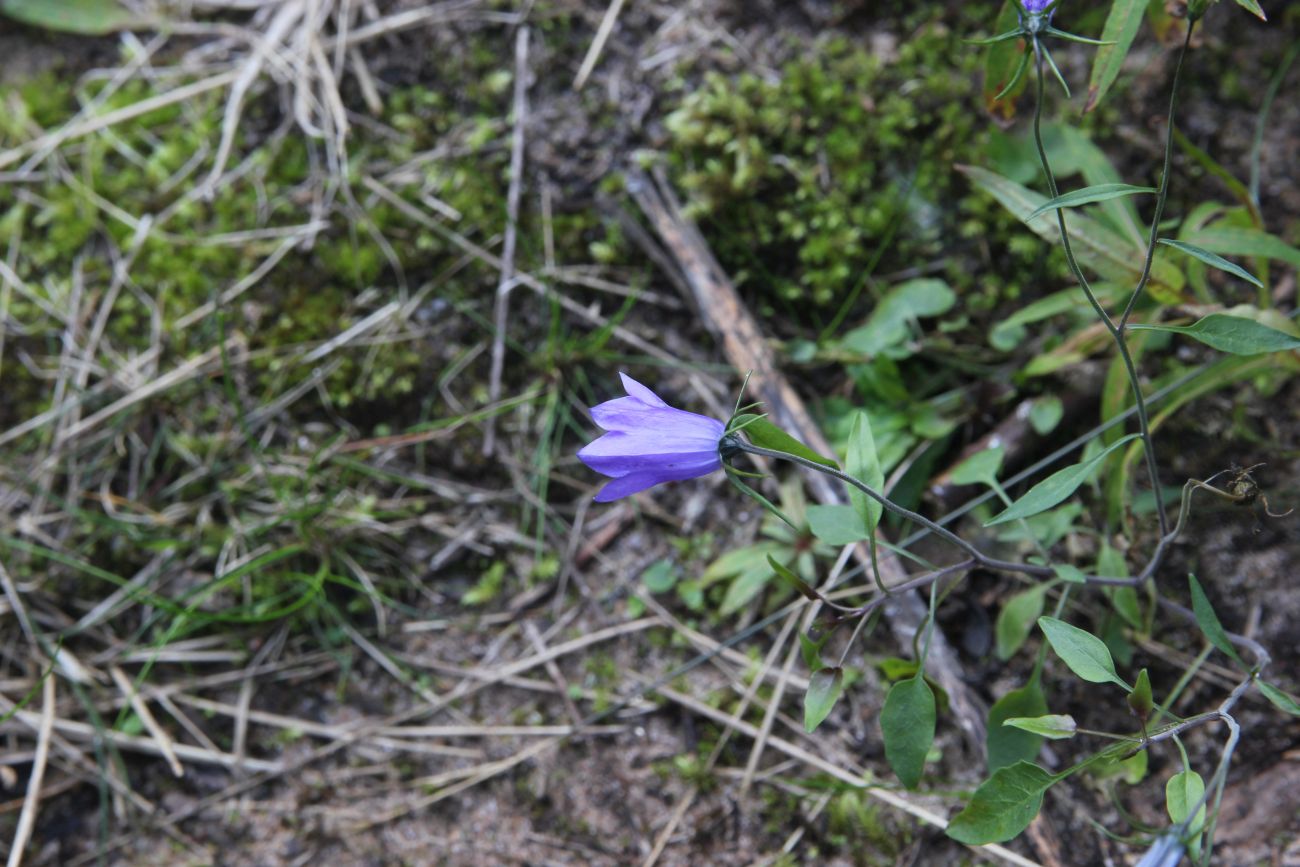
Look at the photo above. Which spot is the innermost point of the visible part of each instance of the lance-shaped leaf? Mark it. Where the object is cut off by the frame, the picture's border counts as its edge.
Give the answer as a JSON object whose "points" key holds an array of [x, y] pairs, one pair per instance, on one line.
{"points": [[1209, 621], [1056, 726], [1212, 259], [1002, 806], [1253, 8], [1120, 30], [824, 689], [1234, 334], [1004, 64], [784, 573], [1095, 246], [1085, 653], [1280, 699], [764, 434], [907, 723], [1087, 196], [863, 463], [1240, 241], [86, 17], [1055, 488]]}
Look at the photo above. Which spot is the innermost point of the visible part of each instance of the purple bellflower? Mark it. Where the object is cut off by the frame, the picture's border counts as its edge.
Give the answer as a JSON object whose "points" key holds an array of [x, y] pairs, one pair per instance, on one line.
{"points": [[648, 442], [1034, 7]]}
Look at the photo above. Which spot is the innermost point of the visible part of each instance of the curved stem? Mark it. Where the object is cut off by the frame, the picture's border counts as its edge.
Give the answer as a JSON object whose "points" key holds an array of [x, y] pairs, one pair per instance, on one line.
{"points": [[1116, 331], [947, 535]]}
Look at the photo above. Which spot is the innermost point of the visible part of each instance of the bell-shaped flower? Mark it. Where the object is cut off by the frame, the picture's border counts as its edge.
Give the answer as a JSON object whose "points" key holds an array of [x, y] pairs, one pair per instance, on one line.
{"points": [[648, 442]]}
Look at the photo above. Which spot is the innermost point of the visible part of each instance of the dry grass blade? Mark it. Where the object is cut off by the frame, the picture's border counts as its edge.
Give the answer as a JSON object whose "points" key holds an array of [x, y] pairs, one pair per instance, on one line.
{"points": [[31, 803]]}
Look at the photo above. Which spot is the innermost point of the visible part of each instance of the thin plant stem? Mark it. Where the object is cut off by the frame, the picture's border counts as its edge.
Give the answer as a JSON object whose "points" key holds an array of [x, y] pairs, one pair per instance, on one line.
{"points": [[1162, 194], [1116, 331]]}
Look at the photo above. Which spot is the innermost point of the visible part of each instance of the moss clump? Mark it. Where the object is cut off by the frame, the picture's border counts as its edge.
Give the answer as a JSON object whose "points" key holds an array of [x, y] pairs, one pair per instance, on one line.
{"points": [[842, 167]]}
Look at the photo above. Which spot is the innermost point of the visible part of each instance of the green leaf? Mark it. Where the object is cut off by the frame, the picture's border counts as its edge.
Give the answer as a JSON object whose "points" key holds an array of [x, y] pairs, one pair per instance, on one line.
{"points": [[764, 434], [1001, 63], [1006, 746], [907, 723], [892, 318], [1045, 414], [1070, 574], [1182, 792], [1083, 652], [743, 590], [837, 525], [1016, 619], [1240, 241], [1140, 699], [1110, 562], [1120, 30], [1055, 488], [1253, 8], [1209, 621], [1003, 806], [1053, 725], [1233, 334], [660, 576], [1087, 196], [1212, 259], [824, 689], [979, 467], [1095, 246], [86, 17], [793, 580], [863, 463], [811, 651], [1279, 698]]}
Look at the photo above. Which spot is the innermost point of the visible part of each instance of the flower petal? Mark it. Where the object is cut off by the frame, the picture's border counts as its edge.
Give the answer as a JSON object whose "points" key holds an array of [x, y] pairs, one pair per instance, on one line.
{"points": [[665, 443], [679, 465], [639, 481], [639, 391], [629, 414]]}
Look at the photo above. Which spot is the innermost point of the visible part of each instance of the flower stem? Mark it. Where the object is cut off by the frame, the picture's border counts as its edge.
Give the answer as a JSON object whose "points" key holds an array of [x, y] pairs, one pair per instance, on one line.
{"points": [[1116, 331]]}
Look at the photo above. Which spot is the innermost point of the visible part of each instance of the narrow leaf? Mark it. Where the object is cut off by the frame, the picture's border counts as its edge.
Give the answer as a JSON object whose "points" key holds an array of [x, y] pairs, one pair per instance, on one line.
{"points": [[1053, 725], [1096, 247], [1120, 30], [1279, 698], [1006, 746], [1055, 488], [793, 580], [1253, 8], [1083, 652], [763, 433], [863, 463], [837, 525], [1212, 259], [1239, 241], [85, 17], [1016, 619], [1233, 334], [1209, 621], [1003, 806], [907, 723], [1087, 196], [1001, 64], [824, 689], [1140, 699]]}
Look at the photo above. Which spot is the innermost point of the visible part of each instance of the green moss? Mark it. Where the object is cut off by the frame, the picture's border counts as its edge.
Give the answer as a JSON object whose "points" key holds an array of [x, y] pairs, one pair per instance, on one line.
{"points": [[844, 166]]}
